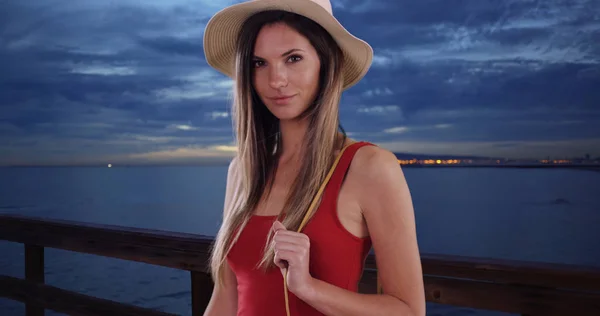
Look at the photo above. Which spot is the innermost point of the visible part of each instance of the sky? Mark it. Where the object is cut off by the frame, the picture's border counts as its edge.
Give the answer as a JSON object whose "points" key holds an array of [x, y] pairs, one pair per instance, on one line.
{"points": [[126, 81]]}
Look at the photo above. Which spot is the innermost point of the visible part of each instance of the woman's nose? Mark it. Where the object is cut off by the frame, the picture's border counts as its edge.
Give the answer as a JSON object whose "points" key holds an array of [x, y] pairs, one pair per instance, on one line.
{"points": [[277, 76]]}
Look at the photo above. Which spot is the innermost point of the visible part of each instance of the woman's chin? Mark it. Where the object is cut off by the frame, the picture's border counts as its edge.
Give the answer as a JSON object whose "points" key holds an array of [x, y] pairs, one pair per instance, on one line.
{"points": [[284, 114]]}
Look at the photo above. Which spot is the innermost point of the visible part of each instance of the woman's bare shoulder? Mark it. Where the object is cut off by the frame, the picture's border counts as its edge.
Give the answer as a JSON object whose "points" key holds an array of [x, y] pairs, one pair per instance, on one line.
{"points": [[385, 202], [373, 161], [383, 188]]}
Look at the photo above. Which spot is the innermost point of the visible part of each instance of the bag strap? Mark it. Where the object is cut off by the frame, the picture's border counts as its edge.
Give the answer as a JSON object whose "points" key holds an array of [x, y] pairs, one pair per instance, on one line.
{"points": [[307, 216], [322, 188]]}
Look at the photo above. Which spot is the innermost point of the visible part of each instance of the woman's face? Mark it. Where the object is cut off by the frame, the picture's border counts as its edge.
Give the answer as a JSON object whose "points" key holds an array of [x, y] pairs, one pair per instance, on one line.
{"points": [[286, 74]]}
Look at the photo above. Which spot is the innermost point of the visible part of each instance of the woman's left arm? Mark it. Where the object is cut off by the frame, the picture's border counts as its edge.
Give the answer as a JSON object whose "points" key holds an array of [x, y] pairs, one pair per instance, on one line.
{"points": [[387, 208]]}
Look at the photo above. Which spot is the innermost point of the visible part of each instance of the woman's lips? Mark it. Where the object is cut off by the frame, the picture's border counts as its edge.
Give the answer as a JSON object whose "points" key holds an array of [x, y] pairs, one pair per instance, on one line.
{"points": [[282, 100]]}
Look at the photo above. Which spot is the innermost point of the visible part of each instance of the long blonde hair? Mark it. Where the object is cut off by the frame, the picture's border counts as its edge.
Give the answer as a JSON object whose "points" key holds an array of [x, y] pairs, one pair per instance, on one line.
{"points": [[258, 141]]}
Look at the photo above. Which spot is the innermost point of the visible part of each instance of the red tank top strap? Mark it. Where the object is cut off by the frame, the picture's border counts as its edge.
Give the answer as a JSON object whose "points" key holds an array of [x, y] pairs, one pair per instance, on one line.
{"points": [[335, 183]]}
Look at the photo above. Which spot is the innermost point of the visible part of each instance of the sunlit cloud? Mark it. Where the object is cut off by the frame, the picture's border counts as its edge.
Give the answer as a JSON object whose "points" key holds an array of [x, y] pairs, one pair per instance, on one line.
{"points": [[206, 84], [184, 93], [225, 148], [364, 6], [383, 60], [415, 128], [378, 92], [219, 151], [396, 130], [215, 115], [502, 149], [380, 110], [103, 70], [184, 127]]}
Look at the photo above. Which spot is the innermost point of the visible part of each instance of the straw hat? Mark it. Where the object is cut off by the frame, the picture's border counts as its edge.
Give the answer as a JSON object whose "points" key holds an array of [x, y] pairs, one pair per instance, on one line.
{"points": [[220, 34]]}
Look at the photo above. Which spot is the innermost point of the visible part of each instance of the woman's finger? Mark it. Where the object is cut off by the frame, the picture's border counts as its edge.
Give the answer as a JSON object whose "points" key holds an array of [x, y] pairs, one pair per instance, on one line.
{"points": [[291, 237], [277, 225], [287, 246], [291, 257], [296, 240], [282, 258]]}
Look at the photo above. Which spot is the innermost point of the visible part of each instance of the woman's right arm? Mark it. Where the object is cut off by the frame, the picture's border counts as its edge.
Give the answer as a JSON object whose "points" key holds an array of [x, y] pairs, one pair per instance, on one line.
{"points": [[223, 301]]}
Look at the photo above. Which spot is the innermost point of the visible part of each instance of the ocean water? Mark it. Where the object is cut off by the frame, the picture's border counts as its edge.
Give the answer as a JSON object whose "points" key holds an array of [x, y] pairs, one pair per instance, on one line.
{"points": [[531, 214]]}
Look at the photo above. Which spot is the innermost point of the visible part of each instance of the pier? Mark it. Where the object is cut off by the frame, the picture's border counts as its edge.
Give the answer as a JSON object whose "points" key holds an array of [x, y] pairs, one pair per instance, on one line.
{"points": [[526, 288]]}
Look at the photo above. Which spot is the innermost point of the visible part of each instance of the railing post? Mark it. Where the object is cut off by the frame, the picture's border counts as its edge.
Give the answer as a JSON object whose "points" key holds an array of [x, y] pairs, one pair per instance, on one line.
{"points": [[34, 272], [202, 287]]}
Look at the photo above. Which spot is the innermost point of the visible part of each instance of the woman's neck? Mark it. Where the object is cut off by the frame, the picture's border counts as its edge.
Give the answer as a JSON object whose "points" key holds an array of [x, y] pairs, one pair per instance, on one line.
{"points": [[292, 135]]}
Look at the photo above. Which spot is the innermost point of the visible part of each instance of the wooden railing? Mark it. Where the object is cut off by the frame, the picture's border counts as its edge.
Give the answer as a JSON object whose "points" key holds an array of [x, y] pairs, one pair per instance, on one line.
{"points": [[511, 286]]}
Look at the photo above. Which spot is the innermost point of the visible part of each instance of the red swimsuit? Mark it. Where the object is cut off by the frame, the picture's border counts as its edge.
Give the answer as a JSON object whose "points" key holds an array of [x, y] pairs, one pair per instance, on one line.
{"points": [[336, 256]]}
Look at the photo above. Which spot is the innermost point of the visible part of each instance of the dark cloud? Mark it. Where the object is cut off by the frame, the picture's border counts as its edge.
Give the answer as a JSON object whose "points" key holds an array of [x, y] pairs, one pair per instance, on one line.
{"points": [[92, 79], [172, 46], [423, 13], [520, 36]]}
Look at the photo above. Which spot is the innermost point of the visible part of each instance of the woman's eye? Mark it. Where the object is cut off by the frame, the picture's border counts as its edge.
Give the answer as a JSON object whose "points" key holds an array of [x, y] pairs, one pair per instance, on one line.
{"points": [[295, 58], [258, 63]]}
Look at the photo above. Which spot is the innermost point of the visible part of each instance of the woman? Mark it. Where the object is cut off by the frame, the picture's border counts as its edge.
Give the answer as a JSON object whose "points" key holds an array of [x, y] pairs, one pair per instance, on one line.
{"points": [[289, 71]]}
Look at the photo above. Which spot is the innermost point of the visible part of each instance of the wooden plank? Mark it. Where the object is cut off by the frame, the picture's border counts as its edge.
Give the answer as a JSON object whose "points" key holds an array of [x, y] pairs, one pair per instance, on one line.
{"points": [[174, 250], [68, 302], [508, 271], [511, 298], [34, 272], [501, 297], [190, 252], [202, 287]]}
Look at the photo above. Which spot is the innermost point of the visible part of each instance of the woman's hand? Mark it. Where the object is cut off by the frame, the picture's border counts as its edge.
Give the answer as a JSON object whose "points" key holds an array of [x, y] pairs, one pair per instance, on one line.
{"points": [[292, 252]]}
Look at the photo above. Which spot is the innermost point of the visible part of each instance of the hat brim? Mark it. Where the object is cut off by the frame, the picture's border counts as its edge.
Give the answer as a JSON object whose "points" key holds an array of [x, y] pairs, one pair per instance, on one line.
{"points": [[220, 36]]}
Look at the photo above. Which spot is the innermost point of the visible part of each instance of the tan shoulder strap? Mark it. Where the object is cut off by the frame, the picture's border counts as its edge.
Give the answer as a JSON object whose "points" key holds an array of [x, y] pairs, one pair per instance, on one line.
{"points": [[321, 189], [307, 216]]}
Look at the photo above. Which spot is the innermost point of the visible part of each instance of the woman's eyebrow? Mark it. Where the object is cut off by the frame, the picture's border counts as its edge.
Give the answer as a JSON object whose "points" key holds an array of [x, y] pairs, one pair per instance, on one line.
{"points": [[284, 54], [291, 51]]}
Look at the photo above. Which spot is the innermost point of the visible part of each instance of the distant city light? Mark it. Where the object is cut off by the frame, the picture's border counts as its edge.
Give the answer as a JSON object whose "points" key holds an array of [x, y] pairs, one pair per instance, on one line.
{"points": [[484, 161]]}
